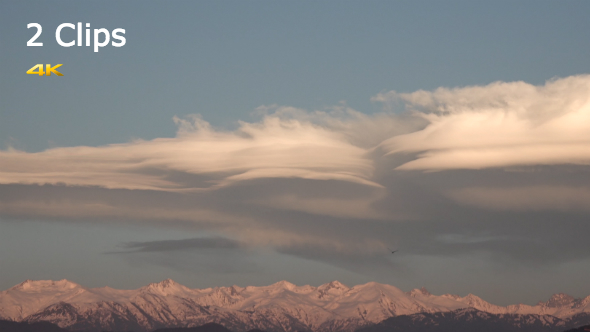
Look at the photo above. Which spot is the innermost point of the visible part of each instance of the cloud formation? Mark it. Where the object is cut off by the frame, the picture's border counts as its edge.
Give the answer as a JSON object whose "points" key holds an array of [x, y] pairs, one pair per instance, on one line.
{"points": [[498, 125], [339, 186], [273, 148], [185, 244], [527, 198]]}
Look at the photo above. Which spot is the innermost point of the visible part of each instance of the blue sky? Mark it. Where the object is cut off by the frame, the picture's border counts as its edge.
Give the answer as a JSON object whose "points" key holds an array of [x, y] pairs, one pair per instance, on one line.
{"points": [[342, 77], [225, 59]]}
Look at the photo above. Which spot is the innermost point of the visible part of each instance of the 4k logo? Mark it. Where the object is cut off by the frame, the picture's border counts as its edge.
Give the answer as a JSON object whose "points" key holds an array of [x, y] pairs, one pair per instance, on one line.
{"points": [[47, 72]]}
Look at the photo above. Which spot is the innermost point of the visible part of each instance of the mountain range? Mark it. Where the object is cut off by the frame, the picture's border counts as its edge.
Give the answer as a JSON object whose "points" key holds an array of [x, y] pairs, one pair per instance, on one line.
{"points": [[280, 307]]}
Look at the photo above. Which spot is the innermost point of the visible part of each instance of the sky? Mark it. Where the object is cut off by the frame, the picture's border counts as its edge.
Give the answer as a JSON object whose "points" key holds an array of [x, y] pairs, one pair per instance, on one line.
{"points": [[248, 142]]}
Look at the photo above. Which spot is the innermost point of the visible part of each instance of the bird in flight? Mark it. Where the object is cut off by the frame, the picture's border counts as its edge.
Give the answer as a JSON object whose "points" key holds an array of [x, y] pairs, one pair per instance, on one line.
{"points": [[393, 251]]}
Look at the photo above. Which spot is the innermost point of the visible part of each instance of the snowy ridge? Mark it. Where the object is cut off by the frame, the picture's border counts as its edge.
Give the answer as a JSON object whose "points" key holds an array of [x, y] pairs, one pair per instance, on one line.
{"points": [[280, 307]]}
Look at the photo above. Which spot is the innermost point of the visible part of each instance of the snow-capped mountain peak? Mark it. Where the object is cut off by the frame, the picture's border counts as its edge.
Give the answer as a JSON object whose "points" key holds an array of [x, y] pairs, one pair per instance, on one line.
{"points": [[235, 290], [334, 285], [583, 302], [165, 287], [419, 292], [164, 284], [280, 307], [478, 303], [333, 288], [283, 284], [167, 283], [559, 300]]}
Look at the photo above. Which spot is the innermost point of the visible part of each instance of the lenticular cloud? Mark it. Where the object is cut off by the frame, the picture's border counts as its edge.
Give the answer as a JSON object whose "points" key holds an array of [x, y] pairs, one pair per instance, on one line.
{"points": [[499, 125], [292, 179], [272, 148]]}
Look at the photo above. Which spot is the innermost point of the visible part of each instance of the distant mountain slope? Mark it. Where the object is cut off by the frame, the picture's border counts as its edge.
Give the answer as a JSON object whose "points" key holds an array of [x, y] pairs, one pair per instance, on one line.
{"points": [[280, 307], [468, 320], [10, 326], [209, 327]]}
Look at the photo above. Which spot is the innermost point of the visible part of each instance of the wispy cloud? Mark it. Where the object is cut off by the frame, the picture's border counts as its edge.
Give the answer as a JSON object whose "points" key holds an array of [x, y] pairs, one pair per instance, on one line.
{"points": [[272, 148], [184, 244], [498, 125], [338, 185], [526, 198]]}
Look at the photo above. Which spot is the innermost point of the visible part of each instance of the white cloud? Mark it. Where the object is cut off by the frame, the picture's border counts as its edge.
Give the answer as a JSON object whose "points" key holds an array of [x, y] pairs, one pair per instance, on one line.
{"points": [[273, 148], [293, 179], [501, 124], [291, 162]]}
